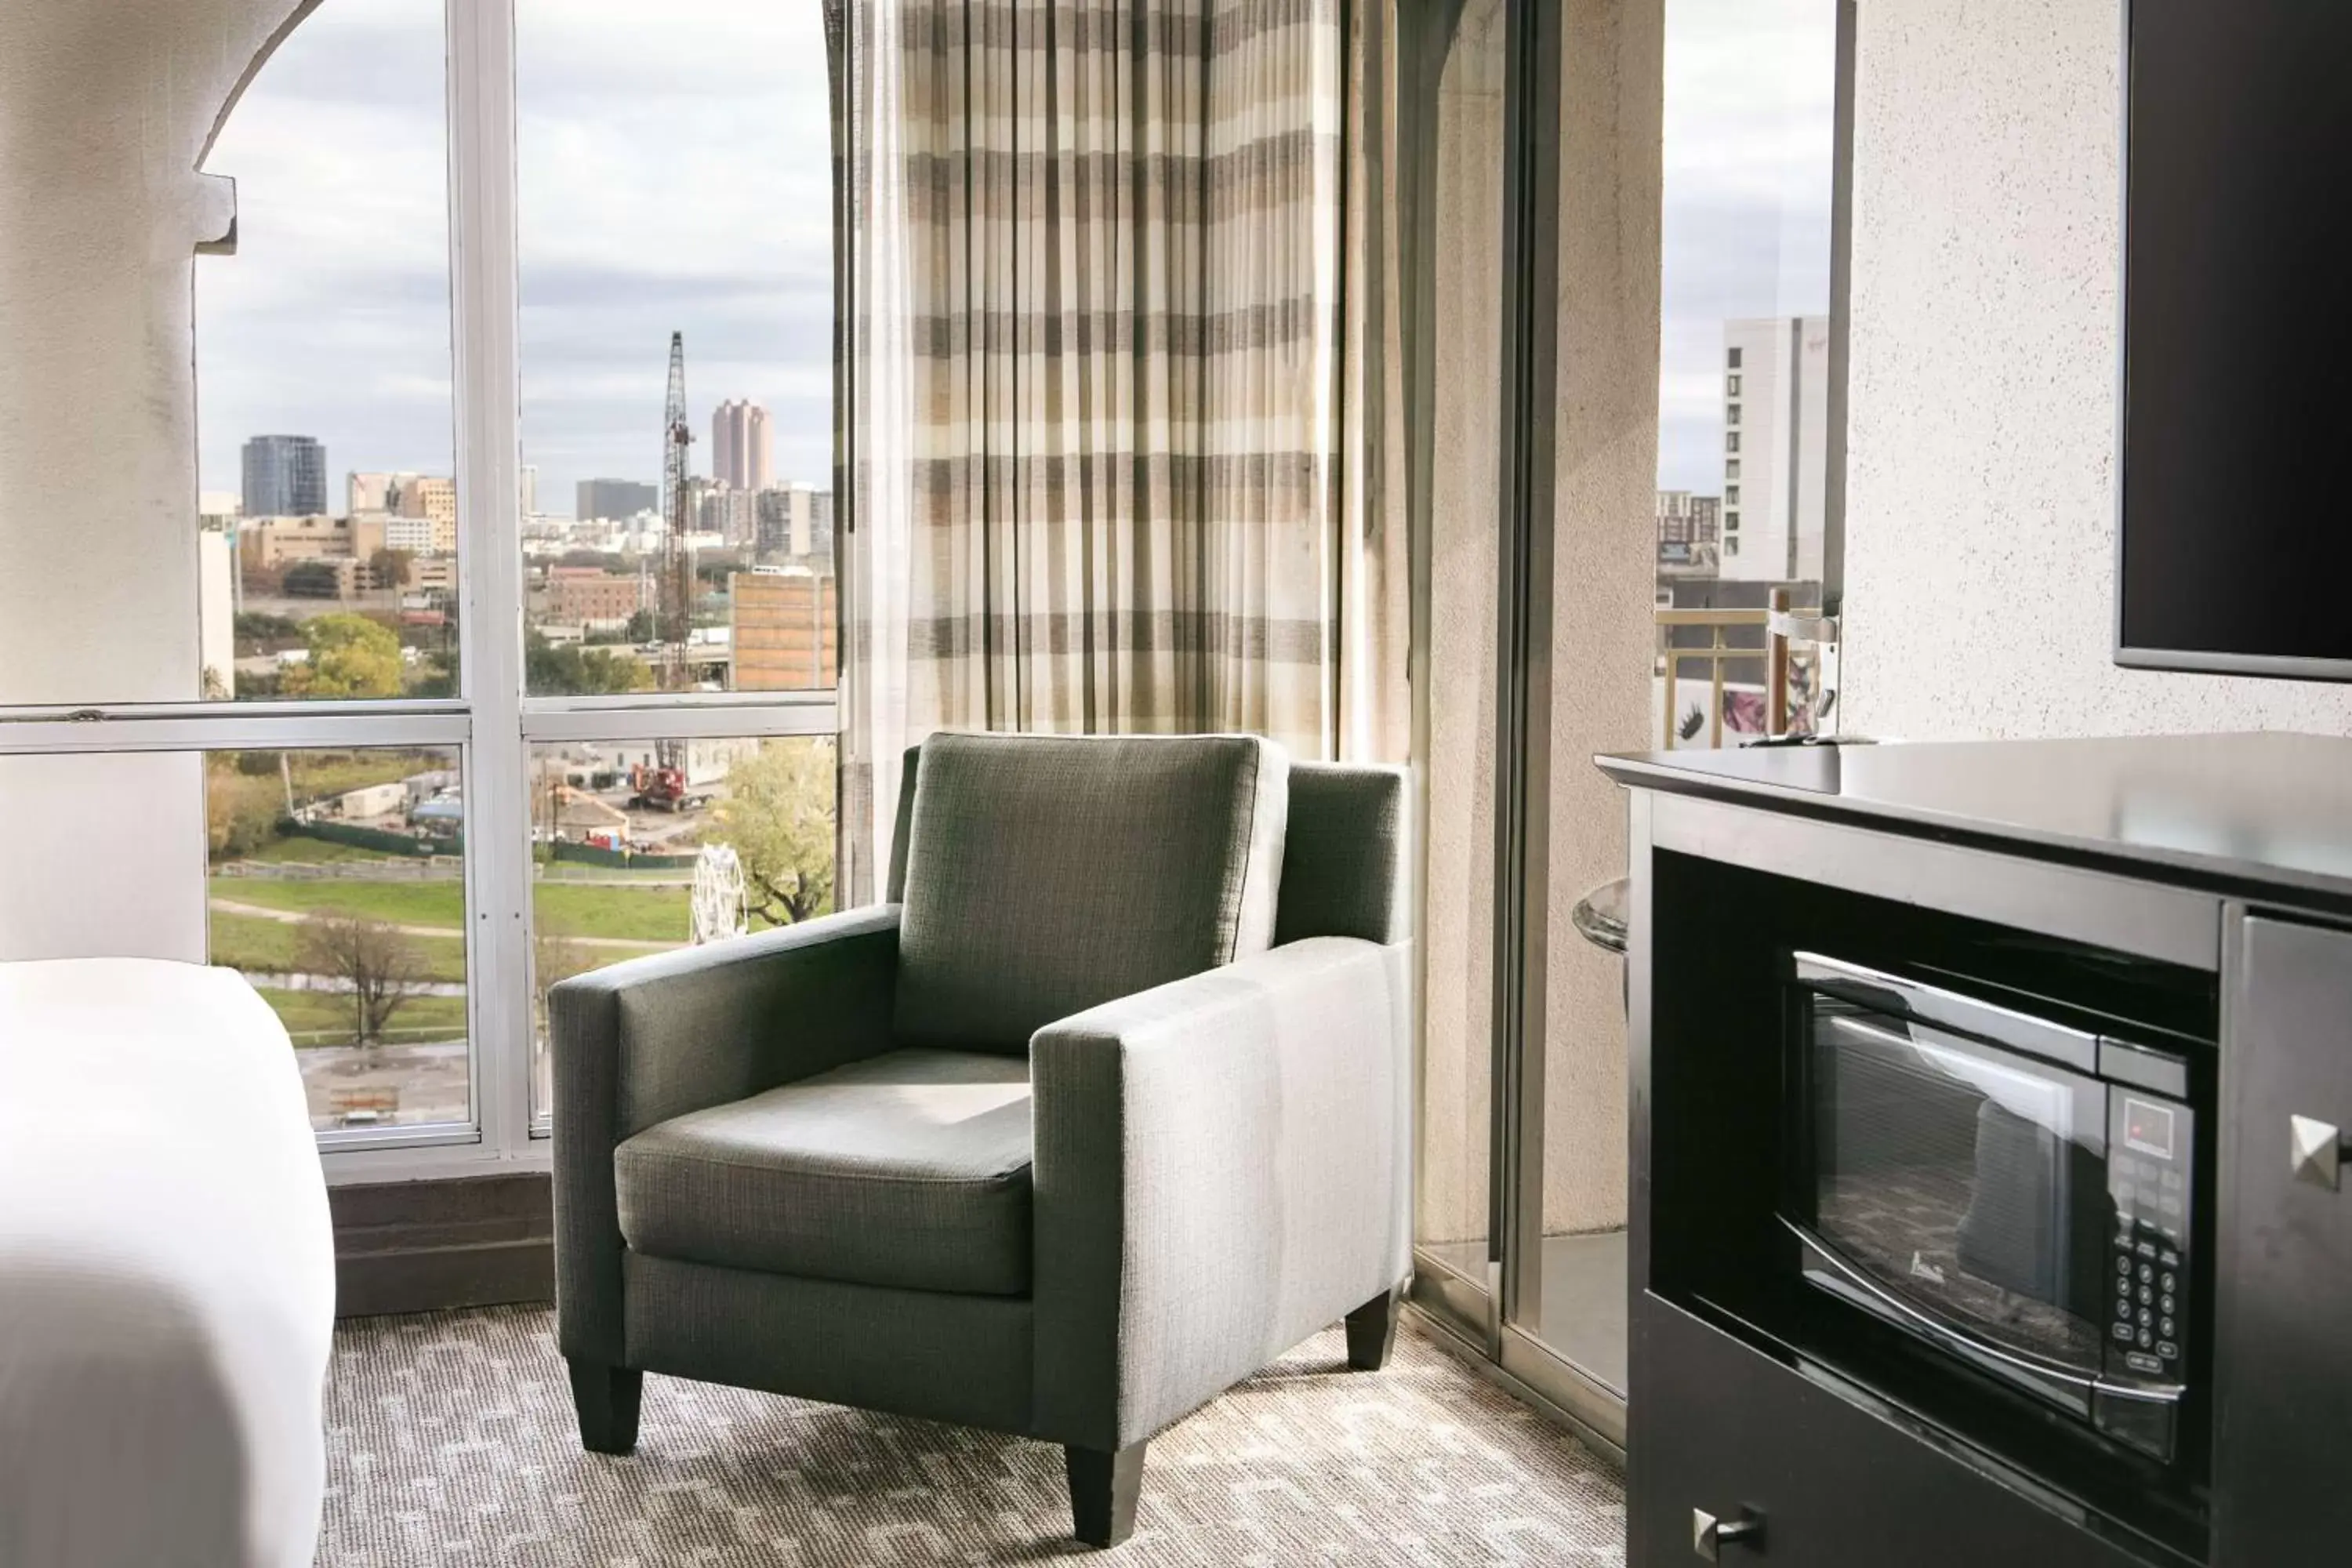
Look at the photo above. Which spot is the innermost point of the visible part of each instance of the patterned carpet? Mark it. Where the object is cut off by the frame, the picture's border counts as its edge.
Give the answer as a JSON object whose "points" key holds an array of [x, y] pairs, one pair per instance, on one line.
{"points": [[450, 1440]]}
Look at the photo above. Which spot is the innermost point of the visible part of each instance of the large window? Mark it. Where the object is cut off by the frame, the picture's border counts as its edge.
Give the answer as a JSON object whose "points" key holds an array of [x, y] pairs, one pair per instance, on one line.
{"points": [[676, 182], [643, 846], [432, 367], [335, 883], [327, 503]]}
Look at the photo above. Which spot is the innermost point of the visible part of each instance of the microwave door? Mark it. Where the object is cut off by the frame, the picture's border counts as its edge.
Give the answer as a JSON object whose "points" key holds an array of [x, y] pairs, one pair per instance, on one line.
{"points": [[1966, 1184], [1843, 1277]]}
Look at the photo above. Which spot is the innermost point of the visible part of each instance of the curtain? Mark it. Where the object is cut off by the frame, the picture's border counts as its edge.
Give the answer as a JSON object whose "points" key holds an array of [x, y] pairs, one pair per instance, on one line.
{"points": [[1095, 385]]}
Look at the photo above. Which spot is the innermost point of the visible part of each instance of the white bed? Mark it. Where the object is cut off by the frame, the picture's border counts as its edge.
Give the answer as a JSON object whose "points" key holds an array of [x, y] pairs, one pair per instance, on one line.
{"points": [[166, 1273]]}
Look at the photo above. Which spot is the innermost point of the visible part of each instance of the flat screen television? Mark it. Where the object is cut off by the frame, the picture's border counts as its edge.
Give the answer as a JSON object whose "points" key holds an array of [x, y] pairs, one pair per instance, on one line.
{"points": [[2235, 538]]}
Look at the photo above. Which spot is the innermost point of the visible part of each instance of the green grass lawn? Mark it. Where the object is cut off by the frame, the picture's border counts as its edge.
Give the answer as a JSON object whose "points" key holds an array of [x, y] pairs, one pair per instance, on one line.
{"points": [[648, 914], [631, 914], [438, 902], [259, 945], [322, 1018]]}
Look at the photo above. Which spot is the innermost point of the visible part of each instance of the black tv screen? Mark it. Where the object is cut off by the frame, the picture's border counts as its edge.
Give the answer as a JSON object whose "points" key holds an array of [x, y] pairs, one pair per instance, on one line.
{"points": [[2236, 542]]}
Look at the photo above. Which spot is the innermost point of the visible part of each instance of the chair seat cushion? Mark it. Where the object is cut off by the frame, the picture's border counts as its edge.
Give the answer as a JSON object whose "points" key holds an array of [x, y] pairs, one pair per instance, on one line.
{"points": [[908, 1169]]}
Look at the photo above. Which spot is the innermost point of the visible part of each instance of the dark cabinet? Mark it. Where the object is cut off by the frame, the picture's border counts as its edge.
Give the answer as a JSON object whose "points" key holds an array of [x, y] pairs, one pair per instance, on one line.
{"points": [[2182, 905], [1724, 1432], [2284, 1306]]}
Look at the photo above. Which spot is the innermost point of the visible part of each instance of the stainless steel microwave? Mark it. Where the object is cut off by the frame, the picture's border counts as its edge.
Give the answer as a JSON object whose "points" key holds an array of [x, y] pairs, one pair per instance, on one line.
{"points": [[2015, 1192]]}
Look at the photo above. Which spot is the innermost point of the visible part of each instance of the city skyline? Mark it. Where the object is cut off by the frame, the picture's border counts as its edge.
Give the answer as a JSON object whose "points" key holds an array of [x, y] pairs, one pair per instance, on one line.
{"points": [[377, 490], [333, 317]]}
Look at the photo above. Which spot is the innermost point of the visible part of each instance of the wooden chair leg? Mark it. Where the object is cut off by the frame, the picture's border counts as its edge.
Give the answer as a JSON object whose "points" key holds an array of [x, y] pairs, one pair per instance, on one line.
{"points": [[1371, 1331], [607, 1399], [1103, 1489]]}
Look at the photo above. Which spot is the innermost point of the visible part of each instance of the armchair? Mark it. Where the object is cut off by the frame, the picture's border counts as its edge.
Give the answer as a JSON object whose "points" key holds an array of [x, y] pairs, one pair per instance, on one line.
{"points": [[1104, 1110]]}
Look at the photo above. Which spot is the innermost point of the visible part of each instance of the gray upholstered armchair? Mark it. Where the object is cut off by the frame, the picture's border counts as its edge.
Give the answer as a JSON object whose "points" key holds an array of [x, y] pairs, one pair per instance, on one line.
{"points": [[1104, 1111]]}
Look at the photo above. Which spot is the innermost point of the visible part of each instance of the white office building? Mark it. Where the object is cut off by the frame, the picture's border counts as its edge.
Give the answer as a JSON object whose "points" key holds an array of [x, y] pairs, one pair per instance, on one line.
{"points": [[1776, 442]]}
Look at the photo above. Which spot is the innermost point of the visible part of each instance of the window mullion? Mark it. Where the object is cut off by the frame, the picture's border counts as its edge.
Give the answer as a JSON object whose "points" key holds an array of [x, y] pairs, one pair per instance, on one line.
{"points": [[485, 326]]}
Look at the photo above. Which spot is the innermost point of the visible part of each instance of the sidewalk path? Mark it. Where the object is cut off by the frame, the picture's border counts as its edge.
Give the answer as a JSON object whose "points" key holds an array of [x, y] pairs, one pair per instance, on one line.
{"points": [[295, 917]]}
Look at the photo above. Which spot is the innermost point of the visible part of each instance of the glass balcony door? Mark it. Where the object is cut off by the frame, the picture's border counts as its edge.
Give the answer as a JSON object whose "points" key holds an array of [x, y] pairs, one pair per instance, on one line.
{"points": [[1452, 59]]}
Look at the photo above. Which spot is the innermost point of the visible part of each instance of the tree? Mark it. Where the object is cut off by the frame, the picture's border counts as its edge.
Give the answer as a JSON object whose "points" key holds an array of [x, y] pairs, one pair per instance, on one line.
{"points": [[778, 817], [351, 656], [258, 631], [242, 805], [377, 961], [566, 670], [641, 626], [311, 580], [390, 568]]}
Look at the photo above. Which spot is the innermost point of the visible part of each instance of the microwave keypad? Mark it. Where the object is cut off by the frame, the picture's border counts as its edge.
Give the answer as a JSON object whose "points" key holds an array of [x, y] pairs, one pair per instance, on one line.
{"points": [[2147, 1316]]}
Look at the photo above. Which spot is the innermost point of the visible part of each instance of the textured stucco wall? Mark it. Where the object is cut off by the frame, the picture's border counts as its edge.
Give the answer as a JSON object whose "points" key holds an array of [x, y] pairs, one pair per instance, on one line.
{"points": [[1606, 465], [1457, 926], [105, 109], [1980, 534]]}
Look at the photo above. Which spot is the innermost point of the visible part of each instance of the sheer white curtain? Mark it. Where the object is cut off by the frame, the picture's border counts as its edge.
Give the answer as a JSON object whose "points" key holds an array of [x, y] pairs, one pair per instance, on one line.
{"points": [[873, 492]]}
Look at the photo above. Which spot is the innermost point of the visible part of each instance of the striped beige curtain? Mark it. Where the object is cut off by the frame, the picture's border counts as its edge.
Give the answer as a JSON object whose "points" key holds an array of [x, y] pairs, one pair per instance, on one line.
{"points": [[1094, 383], [1269, 352]]}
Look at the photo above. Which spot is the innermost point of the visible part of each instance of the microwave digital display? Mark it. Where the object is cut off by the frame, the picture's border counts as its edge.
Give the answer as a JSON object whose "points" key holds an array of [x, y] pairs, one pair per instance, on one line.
{"points": [[2148, 1129]]}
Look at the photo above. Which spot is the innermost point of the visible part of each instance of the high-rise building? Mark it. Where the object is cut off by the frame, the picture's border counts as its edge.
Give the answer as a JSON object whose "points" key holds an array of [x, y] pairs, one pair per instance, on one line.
{"points": [[743, 445], [433, 497], [615, 498], [589, 596], [530, 490], [731, 513], [285, 476], [1776, 445], [820, 525], [368, 492], [413, 534], [782, 624], [794, 521], [1689, 526]]}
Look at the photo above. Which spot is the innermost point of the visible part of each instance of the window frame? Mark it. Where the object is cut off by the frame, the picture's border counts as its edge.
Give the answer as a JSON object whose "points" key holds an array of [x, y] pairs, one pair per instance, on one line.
{"points": [[492, 724]]}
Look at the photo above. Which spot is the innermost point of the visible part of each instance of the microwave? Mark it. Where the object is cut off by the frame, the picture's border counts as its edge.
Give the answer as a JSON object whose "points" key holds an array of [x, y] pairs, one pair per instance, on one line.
{"points": [[2012, 1188]]}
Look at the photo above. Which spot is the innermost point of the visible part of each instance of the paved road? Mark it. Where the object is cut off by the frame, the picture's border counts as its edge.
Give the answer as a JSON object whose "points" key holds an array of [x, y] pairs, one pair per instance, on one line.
{"points": [[295, 917]]}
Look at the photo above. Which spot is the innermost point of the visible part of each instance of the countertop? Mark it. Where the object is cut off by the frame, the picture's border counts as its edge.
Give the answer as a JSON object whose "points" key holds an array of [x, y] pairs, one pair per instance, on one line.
{"points": [[2264, 810]]}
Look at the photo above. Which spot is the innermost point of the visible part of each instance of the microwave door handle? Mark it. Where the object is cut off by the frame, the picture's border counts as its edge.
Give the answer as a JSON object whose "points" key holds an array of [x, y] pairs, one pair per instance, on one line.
{"points": [[1937, 1326]]}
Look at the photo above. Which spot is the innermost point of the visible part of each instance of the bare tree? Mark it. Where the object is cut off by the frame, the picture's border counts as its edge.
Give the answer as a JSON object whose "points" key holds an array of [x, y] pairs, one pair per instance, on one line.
{"points": [[383, 967], [553, 959]]}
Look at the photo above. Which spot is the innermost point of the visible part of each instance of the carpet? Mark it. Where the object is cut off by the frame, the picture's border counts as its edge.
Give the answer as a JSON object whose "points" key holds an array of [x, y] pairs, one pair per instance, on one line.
{"points": [[450, 1441]]}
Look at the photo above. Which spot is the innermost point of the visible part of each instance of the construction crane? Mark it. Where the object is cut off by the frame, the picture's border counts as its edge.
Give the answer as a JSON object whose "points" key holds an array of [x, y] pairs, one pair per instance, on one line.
{"points": [[674, 585]]}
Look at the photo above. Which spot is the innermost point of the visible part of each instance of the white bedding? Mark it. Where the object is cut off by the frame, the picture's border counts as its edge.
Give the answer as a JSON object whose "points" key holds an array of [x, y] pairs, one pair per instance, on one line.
{"points": [[166, 1273]]}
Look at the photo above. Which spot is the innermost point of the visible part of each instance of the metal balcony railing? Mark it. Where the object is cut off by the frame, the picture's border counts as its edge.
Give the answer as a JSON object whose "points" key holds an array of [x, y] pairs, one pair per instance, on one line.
{"points": [[1780, 630]]}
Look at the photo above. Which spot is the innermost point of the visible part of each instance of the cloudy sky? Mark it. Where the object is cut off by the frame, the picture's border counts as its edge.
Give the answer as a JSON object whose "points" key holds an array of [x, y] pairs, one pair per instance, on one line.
{"points": [[1751, 99], [674, 172]]}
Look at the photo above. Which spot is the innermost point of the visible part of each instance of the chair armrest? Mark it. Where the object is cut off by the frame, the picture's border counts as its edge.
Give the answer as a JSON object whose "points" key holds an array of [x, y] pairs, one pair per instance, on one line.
{"points": [[657, 1037], [1222, 1167]]}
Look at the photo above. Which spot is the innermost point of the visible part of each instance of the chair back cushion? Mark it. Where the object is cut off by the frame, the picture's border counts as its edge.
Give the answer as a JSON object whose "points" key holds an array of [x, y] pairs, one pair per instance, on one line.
{"points": [[1047, 874], [1343, 854]]}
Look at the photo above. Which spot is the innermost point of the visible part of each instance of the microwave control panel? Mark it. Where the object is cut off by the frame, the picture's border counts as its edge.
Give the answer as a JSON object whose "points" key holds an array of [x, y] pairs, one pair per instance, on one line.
{"points": [[2148, 1164]]}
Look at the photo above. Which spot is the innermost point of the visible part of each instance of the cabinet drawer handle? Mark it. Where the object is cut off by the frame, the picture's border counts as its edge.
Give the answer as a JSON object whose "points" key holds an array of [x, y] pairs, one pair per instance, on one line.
{"points": [[1709, 1534], [2315, 1151]]}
